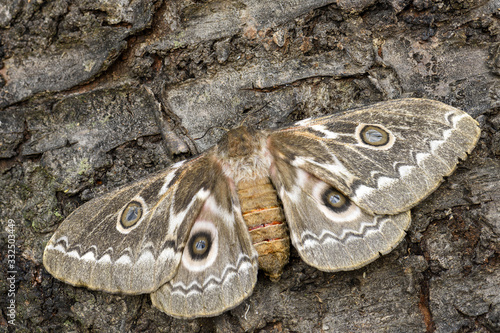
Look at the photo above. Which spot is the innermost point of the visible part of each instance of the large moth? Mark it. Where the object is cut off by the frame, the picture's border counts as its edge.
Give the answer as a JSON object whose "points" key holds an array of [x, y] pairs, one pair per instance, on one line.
{"points": [[188, 235]]}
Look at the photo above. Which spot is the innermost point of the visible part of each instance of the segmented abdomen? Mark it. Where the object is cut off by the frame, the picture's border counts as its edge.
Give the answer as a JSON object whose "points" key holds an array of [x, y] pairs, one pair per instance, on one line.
{"points": [[265, 220]]}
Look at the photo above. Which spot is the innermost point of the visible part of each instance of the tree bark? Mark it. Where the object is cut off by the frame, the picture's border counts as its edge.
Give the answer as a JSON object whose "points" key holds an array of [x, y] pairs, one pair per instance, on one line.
{"points": [[96, 94]]}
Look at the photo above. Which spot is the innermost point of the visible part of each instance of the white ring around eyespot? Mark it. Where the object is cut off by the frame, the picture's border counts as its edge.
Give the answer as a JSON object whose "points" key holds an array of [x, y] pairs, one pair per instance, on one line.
{"points": [[200, 265], [352, 213], [145, 211], [387, 146]]}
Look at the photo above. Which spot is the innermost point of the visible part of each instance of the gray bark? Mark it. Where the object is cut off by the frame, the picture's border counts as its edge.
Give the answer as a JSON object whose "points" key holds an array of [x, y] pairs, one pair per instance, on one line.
{"points": [[95, 94]]}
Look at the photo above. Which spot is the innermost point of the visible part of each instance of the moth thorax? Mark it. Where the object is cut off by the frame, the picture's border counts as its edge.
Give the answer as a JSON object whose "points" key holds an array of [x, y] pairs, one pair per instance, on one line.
{"points": [[265, 220]]}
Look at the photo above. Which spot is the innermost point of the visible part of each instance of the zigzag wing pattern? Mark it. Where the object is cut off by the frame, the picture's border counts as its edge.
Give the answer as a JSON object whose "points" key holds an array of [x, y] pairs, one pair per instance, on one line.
{"points": [[220, 276], [385, 157], [328, 230], [144, 225], [346, 183]]}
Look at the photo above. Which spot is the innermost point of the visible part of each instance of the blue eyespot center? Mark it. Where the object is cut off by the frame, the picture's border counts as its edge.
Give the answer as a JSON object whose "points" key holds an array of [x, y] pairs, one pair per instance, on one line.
{"points": [[373, 135], [335, 200], [199, 245], [131, 214]]}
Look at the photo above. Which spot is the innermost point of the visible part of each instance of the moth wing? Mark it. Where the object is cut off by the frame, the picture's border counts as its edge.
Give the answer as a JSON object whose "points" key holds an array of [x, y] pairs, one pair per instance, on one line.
{"points": [[385, 157], [218, 269], [329, 231], [131, 240]]}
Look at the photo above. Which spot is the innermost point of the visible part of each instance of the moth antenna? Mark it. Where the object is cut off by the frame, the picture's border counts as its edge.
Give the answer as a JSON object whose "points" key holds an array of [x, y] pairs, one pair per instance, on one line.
{"points": [[252, 112], [209, 129], [193, 144], [239, 125], [260, 121], [168, 124]]}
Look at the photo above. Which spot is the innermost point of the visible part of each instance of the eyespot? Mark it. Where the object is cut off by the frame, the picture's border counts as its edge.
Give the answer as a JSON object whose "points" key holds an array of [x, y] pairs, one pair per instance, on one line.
{"points": [[335, 200], [199, 245], [131, 214], [202, 247], [374, 136]]}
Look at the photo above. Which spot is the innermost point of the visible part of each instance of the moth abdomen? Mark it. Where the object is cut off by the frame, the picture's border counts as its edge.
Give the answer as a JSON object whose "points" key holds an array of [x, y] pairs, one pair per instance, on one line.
{"points": [[265, 221]]}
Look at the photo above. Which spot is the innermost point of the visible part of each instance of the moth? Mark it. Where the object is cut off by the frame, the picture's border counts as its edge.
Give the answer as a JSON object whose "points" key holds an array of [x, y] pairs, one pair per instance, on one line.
{"points": [[340, 187]]}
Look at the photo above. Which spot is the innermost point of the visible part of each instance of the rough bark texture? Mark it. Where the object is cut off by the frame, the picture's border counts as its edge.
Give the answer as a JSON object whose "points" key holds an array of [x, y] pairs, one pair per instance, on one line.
{"points": [[95, 94]]}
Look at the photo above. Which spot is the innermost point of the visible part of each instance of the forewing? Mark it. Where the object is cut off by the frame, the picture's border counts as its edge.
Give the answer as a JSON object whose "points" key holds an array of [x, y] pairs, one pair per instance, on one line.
{"points": [[388, 174], [131, 240]]}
